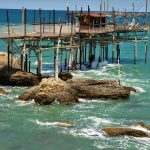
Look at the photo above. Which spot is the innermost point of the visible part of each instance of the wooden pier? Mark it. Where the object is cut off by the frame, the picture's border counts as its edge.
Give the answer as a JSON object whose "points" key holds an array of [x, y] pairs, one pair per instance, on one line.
{"points": [[80, 35]]}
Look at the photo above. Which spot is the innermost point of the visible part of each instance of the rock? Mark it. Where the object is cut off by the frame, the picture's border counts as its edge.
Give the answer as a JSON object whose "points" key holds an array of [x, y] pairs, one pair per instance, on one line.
{"points": [[141, 123], [67, 123], [2, 91], [29, 94], [96, 89], [65, 76], [50, 90], [44, 99], [124, 132], [67, 98], [23, 79], [4, 75]]}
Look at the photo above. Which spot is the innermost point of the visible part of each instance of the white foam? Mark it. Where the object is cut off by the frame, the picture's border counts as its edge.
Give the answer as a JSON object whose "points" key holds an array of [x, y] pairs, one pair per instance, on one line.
{"points": [[141, 129], [93, 101], [140, 90], [23, 103], [89, 133], [97, 121], [35, 63], [55, 124]]}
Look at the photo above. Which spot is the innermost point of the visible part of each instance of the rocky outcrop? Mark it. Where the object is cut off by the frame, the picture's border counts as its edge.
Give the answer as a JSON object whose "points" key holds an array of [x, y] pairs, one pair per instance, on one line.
{"points": [[125, 132], [89, 88], [65, 76], [23, 79], [2, 91], [4, 75], [50, 90]]}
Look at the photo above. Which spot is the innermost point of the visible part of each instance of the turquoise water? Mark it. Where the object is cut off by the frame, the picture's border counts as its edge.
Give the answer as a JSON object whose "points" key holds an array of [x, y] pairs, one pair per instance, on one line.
{"points": [[28, 126]]}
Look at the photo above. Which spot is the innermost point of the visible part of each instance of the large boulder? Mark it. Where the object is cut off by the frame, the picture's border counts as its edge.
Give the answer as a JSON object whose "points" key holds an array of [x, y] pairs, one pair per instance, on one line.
{"points": [[65, 76], [50, 90], [90, 88], [23, 79], [2, 91], [125, 132], [4, 75]]}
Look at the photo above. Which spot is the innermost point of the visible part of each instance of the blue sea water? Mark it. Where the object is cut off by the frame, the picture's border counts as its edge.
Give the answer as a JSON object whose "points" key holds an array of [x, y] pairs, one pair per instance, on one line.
{"points": [[28, 126]]}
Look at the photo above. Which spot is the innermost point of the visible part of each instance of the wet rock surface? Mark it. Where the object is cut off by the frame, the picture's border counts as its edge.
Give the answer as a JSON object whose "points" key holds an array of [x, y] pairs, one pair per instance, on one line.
{"points": [[89, 88], [142, 124], [50, 90], [65, 76], [125, 132], [2, 91], [23, 79], [4, 75]]}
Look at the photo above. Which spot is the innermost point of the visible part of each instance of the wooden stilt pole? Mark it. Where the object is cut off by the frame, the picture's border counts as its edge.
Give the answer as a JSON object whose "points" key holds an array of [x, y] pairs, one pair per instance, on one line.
{"points": [[103, 47], [80, 54], [118, 71], [21, 60], [146, 47], [68, 15], [23, 56], [24, 20], [56, 56], [85, 49], [49, 18], [8, 42], [40, 64], [100, 57], [106, 52], [8, 47], [34, 20], [11, 52], [26, 62], [118, 52], [112, 53], [40, 15], [101, 53], [54, 21]]}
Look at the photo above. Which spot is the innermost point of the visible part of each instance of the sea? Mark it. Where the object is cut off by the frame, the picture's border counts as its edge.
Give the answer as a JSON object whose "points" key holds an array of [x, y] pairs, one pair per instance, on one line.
{"points": [[29, 126]]}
